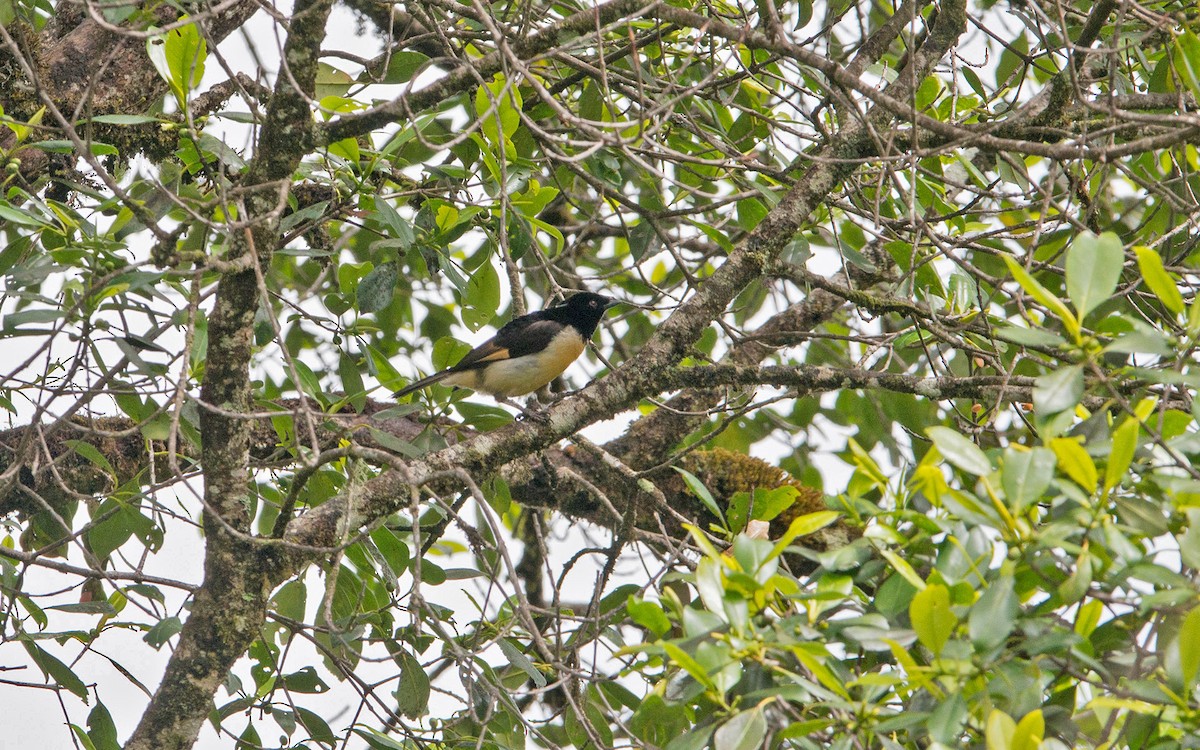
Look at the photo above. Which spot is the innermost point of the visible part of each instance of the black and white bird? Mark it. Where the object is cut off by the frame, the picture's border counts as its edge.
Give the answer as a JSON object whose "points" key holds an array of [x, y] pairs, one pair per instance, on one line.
{"points": [[528, 352]]}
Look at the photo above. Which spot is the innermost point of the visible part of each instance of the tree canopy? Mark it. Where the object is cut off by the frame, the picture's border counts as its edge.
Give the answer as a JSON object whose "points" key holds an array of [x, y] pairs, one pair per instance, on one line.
{"points": [[890, 446]]}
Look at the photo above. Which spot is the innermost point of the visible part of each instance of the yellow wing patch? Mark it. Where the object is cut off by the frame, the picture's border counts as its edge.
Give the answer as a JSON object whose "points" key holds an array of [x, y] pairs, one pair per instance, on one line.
{"points": [[493, 356]]}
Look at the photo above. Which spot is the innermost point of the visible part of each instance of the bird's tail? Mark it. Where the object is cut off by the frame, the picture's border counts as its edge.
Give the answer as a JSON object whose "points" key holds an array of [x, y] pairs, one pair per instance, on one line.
{"points": [[422, 383]]}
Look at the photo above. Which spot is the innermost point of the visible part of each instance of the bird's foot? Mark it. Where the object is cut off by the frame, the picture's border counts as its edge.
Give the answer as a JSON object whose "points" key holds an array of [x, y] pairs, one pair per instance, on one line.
{"points": [[538, 415]]}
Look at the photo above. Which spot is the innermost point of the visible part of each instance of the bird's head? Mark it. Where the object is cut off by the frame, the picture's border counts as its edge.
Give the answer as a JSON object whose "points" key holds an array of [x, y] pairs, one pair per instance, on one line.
{"points": [[584, 310], [589, 303]]}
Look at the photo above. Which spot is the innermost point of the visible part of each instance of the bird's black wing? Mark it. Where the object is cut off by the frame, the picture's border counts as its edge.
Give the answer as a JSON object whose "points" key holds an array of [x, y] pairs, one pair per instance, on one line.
{"points": [[532, 336], [528, 334]]}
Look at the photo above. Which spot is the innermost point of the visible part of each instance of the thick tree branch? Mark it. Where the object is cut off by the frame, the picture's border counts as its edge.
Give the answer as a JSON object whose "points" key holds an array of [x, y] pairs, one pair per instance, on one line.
{"points": [[230, 606]]}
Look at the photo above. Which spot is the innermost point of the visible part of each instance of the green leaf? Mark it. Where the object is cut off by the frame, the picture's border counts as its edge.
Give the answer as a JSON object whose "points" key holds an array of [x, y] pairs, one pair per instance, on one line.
{"points": [[102, 730], [1025, 475], [695, 738], [498, 107], [993, 616], [804, 525], [24, 218], [518, 659], [483, 417], [701, 492], [378, 741], [101, 607], [352, 381], [641, 238], [767, 504], [1040, 293], [412, 694], [901, 566], [1093, 269], [93, 455], [1058, 390], [1185, 58], [1029, 336], [482, 297], [1189, 648], [520, 237], [1124, 445], [1079, 582], [745, 731], [395, 444], [124, 119], [932, 618], [402, 236], [947, 719], [960, 451], [1075, 462], [1088, 617], [79, 732], [999, 730], [95, 148], [117, 528], [331, 86], [750, 211], [688, 664], [649, 615], [1158, 280], [163, 631], [55, 670], [309, 384], [1029, 732], [401, 67], [375, 291], [317, 728], [656, 722], [290, 600], [447, 351], [178, 56]]}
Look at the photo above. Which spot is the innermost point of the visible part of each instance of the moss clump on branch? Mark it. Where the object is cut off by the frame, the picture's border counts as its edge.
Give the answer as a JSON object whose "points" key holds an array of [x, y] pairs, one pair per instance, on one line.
{"points": [[726, 473]]}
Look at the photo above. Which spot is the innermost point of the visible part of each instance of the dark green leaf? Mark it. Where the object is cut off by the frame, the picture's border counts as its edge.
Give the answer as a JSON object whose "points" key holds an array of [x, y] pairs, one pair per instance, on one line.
{"points": [[649, 615], [412, 694], [482, 297], [1093, 269], [352, 381], [163, 631], [518, 659], [375, 291], [56, 670], [101, 729], [993, 616], [745, 731], [960, 451], [701, 492], [1025, 476], [290, 600], [317, 728], [1058, 390], [102, 607]]}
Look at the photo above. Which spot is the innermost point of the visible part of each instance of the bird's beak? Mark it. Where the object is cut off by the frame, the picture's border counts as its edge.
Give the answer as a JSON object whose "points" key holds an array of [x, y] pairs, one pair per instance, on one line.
{"points": [[611, 303]]}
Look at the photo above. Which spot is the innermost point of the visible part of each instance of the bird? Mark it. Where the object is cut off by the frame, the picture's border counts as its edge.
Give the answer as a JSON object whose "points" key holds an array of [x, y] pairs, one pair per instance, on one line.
{"points": [[527, 352]]}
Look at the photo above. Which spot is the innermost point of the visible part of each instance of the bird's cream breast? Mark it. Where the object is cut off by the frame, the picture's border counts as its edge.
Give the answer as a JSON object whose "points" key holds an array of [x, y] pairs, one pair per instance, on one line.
{"points": [[516, 377]]}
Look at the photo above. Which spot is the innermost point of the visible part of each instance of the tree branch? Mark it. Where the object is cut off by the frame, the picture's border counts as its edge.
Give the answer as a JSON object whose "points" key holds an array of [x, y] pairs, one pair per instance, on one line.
{"points": [[230, 606]]}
